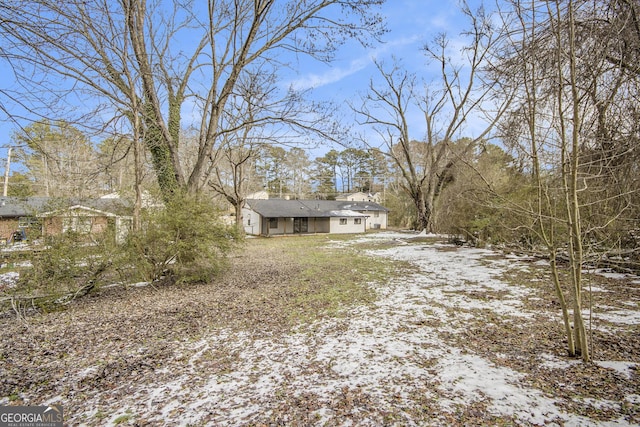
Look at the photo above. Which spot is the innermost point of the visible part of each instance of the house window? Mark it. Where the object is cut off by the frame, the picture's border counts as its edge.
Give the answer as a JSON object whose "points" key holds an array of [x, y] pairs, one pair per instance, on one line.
{"points": [[357, 220], [248, 221], [273, 222], [376, 214], [27, 221], [343, 221], [79, 224]]}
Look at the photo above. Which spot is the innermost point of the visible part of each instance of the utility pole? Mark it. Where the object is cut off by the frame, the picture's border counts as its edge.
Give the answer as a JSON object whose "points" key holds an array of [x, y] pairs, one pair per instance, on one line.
{"points": [[6, 173]]}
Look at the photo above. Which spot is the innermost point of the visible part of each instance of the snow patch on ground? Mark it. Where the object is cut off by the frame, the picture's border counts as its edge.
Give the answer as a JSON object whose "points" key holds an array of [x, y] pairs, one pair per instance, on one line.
{"points": [[610, 274], [9, 280], [444, 273], [389, 350], [623, 368], [626, 317], [552, 362]]}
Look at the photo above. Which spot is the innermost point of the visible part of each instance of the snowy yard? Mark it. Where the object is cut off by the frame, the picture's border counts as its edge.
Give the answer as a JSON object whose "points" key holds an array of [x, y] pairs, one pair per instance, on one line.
{"points": [[459, 336]]}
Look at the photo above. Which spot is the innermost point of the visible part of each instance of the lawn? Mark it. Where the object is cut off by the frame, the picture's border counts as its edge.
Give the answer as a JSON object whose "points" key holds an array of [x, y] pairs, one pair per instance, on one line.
{"points": [[378, 329]]}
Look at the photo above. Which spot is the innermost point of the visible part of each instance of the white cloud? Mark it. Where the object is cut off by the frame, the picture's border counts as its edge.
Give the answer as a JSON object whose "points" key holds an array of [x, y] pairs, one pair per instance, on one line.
{"points": [[338, 72], [332, 75]]}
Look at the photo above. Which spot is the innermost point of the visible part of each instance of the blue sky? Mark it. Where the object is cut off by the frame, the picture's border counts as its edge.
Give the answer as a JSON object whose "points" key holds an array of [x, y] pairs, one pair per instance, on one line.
{"points": [[411, 23]]}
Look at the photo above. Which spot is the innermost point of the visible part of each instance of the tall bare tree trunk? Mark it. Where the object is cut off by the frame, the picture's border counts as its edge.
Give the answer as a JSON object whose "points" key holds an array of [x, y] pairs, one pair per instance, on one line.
{"points": [[137, 169], [423, 220], [576, 249], [570, 158]]}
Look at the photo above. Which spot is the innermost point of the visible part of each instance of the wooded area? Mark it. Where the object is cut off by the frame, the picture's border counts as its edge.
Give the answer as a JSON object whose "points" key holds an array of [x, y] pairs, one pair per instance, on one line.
{"points": [[553, 170]]}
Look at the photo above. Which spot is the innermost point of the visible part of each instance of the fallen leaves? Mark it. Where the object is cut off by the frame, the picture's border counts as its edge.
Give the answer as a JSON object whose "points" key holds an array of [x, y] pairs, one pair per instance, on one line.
{"points": [[266, 345]]}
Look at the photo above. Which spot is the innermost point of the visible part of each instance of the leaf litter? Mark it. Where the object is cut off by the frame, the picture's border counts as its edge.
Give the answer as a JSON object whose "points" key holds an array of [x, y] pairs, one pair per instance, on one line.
{"points": [[463, 338]]}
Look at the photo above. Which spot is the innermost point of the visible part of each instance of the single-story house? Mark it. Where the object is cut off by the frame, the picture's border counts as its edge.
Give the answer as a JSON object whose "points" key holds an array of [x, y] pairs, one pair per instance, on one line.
{"points": [[92, 217], [45, 216], [272, 217]]}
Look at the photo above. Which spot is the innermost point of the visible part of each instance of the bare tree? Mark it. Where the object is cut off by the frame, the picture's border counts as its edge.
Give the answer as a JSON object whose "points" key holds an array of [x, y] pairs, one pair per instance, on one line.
{"points": [[258, 117], [233, 172], [233, 163], [571, 122], [462, 94], [618, 27], [178, 57], [537, 130]]}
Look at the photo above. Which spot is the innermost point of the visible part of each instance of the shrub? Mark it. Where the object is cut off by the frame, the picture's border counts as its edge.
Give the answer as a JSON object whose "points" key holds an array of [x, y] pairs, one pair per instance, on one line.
{"points": [[69, 265], [186, 242]]}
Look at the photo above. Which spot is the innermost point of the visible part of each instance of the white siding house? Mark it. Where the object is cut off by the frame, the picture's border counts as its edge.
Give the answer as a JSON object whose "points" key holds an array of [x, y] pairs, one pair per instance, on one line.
{"points": [[360, 197], [280, 217]]}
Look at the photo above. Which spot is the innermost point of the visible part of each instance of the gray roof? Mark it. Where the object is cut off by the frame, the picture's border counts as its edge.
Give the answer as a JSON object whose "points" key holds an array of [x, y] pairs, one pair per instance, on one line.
{"points": [[279, 208], [13, 207]]}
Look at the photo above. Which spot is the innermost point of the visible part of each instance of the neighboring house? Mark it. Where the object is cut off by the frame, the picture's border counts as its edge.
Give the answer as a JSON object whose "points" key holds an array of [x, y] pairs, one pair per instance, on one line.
{"points": [[19, 214], [36, 216], [262, 195], [280, 217], [90, 217], [360, 197]]}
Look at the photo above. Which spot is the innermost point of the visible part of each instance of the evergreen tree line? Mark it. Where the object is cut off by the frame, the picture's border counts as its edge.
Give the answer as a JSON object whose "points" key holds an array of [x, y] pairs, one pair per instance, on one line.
{"points": [[56, 159]]}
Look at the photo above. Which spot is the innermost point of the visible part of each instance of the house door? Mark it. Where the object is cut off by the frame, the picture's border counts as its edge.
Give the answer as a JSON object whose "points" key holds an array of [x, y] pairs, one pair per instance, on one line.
{"points": [[300, 225]]}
